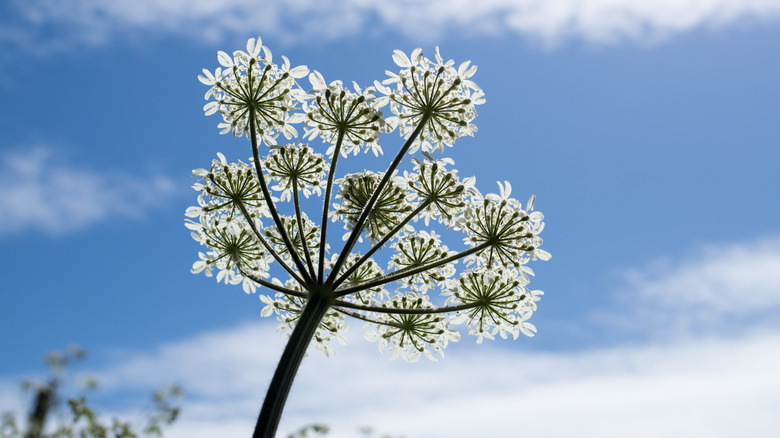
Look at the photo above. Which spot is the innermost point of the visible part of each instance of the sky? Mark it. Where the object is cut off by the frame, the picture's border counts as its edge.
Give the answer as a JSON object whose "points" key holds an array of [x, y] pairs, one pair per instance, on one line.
{"points": [[648, 132]]}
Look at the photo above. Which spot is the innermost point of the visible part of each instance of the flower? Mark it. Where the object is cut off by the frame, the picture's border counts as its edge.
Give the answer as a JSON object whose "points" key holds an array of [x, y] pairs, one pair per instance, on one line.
{"points": [[226, 188], [367, 271], [410, 334], [438, 188], [501, 302], [311, 234], [230, 244], [251, 82], [355, 191], [434, 92], [509, 234], [417, 249], [296, 165], [335, 110]]}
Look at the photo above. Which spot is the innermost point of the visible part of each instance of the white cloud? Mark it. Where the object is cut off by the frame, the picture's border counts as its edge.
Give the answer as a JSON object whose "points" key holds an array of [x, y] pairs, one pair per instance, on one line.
{"points": [[728, 286], [707, 387], [301, 21], [701, 384], [43, 192]]}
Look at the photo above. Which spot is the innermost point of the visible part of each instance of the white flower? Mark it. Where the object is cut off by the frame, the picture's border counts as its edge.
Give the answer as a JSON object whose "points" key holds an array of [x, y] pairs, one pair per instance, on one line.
{"points": [[412, 335], [433, 90], [335, 110], [355, 191], [500, 299], [416, 249], [299, 164], [250, 82]]}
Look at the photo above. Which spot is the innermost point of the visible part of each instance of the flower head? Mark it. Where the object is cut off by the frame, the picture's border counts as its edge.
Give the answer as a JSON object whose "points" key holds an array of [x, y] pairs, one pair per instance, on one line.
{"points": [[501, 302], [296, 166], [435, 92], [412, 334], [336, 111], [508, 233], [355, 191], [252, 84]]}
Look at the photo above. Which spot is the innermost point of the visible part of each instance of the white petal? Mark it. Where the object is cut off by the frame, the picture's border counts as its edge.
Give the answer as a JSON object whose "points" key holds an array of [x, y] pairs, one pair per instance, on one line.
{"points": [[401, 59]]}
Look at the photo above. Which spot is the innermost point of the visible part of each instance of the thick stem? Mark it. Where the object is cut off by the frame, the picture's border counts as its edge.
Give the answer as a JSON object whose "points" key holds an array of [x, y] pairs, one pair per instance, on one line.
{"points": [[271, 412]]}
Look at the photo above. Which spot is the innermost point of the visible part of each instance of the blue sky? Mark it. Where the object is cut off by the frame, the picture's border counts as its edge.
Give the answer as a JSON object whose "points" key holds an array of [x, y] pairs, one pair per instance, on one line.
{"points": [[648, 133]]}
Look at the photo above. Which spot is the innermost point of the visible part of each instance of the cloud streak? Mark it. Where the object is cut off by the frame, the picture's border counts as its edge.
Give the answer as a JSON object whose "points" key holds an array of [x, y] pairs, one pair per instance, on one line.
{"points": [[549, 23], [43, 192]]}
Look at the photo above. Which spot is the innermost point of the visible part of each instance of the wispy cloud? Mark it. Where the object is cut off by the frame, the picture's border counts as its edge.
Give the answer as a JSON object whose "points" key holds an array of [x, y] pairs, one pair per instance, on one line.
{"points": [[678, 389], [95, 22], [728, 287], [700, 384], [43, 192]]}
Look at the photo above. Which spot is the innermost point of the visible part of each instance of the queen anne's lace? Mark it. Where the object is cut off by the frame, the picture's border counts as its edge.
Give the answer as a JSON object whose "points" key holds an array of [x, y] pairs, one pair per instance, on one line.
{"points": [[411, 306], [335, 109], [411, 335], [296, 165], [354, 192], [432, 90], [251, 81]]}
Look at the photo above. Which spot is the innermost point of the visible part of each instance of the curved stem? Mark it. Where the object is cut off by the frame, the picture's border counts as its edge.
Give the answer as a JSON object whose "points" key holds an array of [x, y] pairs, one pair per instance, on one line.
{"points": [[353, 237], [326, 206], [267, 245], [384, 240], [301, 230], [270, 202], [378, 309], [268, 284], [365, 318], [271, 412], [403, 273]]}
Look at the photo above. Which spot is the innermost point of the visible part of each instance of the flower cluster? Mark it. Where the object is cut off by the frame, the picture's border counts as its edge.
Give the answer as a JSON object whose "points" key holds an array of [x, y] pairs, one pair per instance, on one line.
{"points": [[335, 112], [412, 334], [400, 269], [251, 85], [501, 302], [434, 92], [355, 191], [295, 167]]}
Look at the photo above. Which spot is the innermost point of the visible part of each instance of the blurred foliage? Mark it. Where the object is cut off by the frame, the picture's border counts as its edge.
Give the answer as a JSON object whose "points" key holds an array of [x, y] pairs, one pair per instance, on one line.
{"points": [[321, 430], [82, 420]]}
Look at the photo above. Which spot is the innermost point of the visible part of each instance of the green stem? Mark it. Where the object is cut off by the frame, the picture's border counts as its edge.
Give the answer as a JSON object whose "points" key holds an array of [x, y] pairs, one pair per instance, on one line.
{"points": [[378, 309], [353, 237], [326, 206], [403, 273], [271, 412], [301, 231], [267, 245], [270, 202], [384, 240]]}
